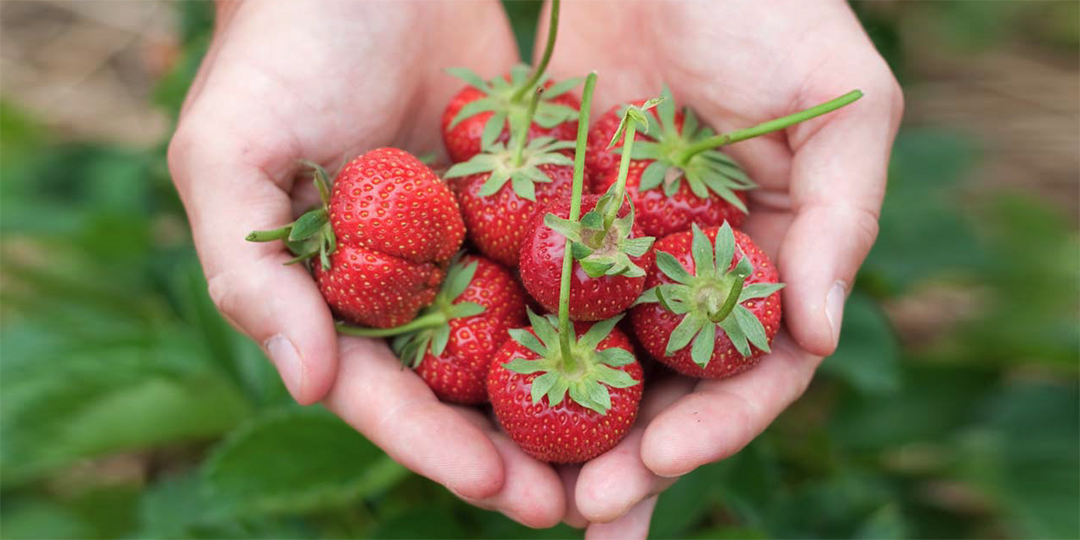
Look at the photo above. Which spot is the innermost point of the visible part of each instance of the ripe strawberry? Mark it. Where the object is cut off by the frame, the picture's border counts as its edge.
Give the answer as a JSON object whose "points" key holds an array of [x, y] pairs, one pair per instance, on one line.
{"points": [[498, 200], [452, 341], [703, 186], [594, 294], [483, 112], [726, 294], [529, 381], [384, 236]]}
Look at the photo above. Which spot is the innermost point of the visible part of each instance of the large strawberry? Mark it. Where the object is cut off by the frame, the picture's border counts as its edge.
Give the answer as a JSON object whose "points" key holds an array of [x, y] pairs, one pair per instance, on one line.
{"points": [[486, 112], [452, 341], [530, 379], [383, 236], [713, 303], [609, 250]]}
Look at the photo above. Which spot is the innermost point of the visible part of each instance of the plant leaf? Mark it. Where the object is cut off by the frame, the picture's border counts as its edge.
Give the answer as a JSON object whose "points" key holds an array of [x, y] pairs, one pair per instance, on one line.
{"points": [[670, 266], [751, 328], [684, 332], [704, 344], [470, 77], [542, 385], [653, 175]]}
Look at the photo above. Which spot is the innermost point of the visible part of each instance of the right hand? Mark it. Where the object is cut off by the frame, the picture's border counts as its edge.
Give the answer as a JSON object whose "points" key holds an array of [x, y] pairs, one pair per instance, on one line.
{"points": [[325, 81]]}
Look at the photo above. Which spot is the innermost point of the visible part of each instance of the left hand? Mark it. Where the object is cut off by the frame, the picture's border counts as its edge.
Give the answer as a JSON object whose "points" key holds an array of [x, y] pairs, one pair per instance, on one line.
{"points": [[822, 182]]}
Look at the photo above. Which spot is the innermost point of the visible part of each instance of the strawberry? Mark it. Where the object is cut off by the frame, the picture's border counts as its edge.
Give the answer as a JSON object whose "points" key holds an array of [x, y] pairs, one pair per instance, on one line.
{"points": [[594, 295], [473, 119], [452, 341], [498, 199], [723, 297], [671, 185], [383, 236], [486, 112], [530, 378]]}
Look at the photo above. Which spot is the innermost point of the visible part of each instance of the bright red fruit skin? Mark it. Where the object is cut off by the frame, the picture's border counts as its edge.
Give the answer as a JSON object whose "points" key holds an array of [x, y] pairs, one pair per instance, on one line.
{"points": [[657, 214], [463, 141], [499, 223], [591, 299], [568, 432], [653, 324], [459, 374], [397, 225]]}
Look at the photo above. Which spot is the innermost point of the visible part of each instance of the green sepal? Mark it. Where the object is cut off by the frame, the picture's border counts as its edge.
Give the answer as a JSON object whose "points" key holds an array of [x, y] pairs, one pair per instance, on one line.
{"points": [[311, 234]]}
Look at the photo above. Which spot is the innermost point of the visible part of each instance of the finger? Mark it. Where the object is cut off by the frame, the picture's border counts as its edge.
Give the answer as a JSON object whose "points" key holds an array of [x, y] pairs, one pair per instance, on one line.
{"points": [[612, 483], [837, 184], [532, 493], [569, 476], [393, 408], [633, 525], [278, 306], [721, 417]]}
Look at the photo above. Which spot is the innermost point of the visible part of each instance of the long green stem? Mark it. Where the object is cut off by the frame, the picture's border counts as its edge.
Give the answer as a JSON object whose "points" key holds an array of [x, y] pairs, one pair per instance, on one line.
{"points": [[549, 47], [770, 126], [624, 168], [280, 233], [520, 138], [430, 320], [731, 300], [566, 332]]}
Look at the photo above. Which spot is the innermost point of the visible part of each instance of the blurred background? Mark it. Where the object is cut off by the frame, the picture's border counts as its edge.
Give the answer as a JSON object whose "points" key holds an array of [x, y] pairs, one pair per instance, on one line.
{"points": [[130, 409]]}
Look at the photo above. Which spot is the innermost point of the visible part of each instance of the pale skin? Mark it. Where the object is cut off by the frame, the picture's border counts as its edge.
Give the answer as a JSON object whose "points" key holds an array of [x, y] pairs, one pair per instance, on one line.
{"points": [[326, 81]]}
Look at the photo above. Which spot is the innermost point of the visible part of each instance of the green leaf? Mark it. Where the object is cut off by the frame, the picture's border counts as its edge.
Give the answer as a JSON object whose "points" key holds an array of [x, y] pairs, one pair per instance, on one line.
{"points": [[704, 343], [308, 224], [665, 109], [702, 253], [470, 77], [480, 163], [523, 186], [459, 278], [466, 309], [328, 463], [670, 266], [697, 185], [526, 367], [439, 339], [492, 129], [598, 394], [616, 357], [474, 108], [751, 327], [687, 328], [653, 175], [690, 122], [528, 340], [615, 378], [597, 332], [558, 392], [494, 183], [542, 385], [543, 328], [580, 394], [759, 290], [562, 87], [736, 335], [636, 247]]}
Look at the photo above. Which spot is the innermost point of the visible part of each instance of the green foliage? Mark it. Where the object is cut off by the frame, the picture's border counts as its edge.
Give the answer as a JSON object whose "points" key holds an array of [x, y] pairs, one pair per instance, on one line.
{"points": [[114, 356]]}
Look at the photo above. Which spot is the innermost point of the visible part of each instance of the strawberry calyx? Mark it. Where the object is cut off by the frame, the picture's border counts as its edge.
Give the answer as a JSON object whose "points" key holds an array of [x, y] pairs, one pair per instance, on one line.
{"points": [[600, 241], [520, 167], [506, 100], [431, 329], [311, 234], [588, 380], [711, 298]]}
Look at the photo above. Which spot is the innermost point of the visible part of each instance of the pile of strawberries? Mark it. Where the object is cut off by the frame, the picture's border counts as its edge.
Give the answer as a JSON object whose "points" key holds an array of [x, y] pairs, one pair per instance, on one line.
{"points": [[636, 214]]}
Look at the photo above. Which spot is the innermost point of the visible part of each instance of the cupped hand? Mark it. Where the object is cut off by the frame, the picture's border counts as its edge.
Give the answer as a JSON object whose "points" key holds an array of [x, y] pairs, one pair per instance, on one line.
{"points": [[738, 64], [325, 81]]}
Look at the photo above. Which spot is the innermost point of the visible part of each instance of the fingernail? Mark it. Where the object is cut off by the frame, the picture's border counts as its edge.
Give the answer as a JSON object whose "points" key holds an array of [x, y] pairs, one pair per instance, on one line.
{"points": [[834, 308], [287, 360]]}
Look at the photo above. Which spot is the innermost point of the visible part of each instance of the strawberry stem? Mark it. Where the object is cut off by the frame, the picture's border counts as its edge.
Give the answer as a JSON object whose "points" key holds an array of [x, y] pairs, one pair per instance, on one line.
{"points": [[523, 130], [549, 47], [731, 300], [624, 168], [768, 127], [280, 233], [430, 320], [565, 330]]}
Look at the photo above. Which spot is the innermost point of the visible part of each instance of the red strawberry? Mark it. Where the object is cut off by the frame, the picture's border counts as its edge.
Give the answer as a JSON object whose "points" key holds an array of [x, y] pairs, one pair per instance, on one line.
{"points": [[451, 343], [384, 237], [498, 223], [591, 298], [670, 186], [724, 297], [465, 134], [528, 385]]}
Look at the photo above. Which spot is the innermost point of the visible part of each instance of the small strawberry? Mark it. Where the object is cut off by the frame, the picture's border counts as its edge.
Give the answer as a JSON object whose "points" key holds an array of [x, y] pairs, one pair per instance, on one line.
{"points": [[594, 295], [530, 379], [723, 297], [384, 236], [452, 341], [486, 112], [609, 250]]}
